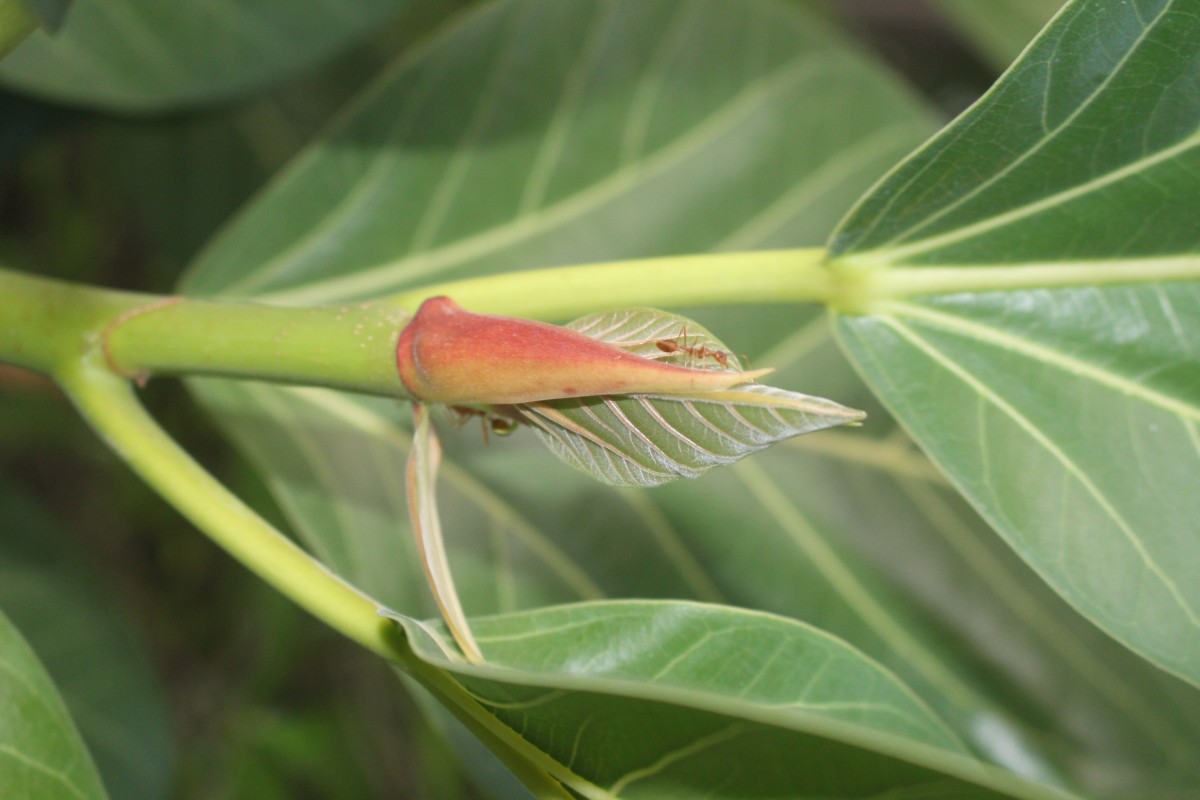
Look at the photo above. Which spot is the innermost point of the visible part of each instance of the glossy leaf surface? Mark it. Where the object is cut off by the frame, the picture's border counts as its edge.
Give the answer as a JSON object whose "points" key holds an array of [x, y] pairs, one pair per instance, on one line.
{"points": [[1069, 416], [707, 687]]}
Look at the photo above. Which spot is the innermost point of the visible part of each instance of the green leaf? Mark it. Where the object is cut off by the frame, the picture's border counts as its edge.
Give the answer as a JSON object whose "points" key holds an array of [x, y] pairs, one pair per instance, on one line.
{"points": [[141, 55], [41, 754], [16, 23], [74, 625], [538, 134], [49, 13], [698, 693], [862, 535], [1065, 404], [648, 440]]}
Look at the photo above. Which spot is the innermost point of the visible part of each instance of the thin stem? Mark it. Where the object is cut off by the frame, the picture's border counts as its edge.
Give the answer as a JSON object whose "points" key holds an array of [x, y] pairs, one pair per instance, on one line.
{"points": [[109, 405], [781, 276]]}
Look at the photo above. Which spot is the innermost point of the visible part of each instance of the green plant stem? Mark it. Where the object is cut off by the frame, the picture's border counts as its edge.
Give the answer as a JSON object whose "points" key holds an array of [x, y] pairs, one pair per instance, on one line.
{"points": [[108, 403], [350, 347], [110, 406], [775, 276]]}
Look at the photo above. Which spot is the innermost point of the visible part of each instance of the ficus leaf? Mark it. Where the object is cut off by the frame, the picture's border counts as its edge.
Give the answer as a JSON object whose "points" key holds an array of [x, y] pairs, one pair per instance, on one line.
{"points": [[650, 439]]}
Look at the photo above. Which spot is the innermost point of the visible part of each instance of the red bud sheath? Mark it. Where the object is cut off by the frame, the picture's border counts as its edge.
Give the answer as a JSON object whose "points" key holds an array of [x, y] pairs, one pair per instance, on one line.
{"points": [[448, 355]]}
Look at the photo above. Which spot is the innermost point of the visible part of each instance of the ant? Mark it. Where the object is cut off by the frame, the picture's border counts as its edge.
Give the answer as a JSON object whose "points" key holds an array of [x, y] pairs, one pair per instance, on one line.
{"points": [[699, 352], [489, 421]]}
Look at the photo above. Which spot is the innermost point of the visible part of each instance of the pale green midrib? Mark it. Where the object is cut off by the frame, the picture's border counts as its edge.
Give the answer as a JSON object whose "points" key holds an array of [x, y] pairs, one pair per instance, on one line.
{"points": [[368, 422], [887, 254], [693, 748], [1068, 465], [1059, 360], [1055, 635], [881, 284], [857, 596], [393, 274], [1049, 136]]}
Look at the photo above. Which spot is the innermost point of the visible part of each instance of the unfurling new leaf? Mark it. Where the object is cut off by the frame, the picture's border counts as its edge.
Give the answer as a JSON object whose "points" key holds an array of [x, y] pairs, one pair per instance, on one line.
{"points": [[653, 438], [634, 398]]}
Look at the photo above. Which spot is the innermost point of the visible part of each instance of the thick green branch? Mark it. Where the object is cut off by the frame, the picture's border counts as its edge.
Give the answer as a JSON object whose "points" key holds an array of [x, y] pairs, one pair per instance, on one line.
{"points": [[349, 347], [47, 325]]}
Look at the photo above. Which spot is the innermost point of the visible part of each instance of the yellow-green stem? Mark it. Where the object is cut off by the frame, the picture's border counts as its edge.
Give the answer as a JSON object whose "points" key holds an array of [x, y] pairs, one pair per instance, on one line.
{"points": [[110, 406]]}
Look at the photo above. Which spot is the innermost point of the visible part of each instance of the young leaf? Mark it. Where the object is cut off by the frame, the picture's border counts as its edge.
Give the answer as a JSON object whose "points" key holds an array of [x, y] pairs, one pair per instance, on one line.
{"points": [[1066, 408], [423, 464], [649, 439], [41, 754]]}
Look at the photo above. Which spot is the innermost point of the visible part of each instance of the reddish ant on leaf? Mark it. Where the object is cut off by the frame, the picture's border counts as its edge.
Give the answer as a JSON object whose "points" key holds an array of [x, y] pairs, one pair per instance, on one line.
{"points": [[698, 352]]}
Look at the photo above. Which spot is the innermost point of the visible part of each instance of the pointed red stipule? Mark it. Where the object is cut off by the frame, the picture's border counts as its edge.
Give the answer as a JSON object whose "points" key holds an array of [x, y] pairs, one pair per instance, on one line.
{"points": [[449, 355]]}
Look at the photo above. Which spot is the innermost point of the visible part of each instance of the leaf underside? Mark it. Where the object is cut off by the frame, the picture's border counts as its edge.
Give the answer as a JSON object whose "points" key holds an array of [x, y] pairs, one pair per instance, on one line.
{"points": [[1070, 417], [648, 440]]}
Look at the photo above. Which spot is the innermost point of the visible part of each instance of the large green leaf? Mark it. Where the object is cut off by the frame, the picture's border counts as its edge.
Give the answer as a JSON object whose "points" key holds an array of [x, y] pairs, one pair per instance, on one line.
{"points": [[854, 532], [147, 55], [74, 625], [41, 754], [537, 134], [1069, 416], [703, 700]]}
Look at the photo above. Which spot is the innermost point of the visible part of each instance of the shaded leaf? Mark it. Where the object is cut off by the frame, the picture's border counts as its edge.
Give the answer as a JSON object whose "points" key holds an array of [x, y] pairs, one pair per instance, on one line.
{"points": [[74, 625], [149, 55], [16, 23], [49, 13], [41, 753], [1069, 416], [700, 699], [573, 156]]}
